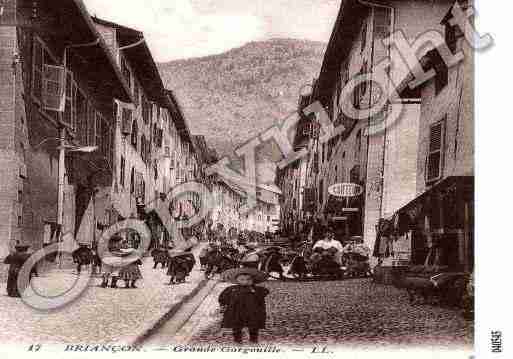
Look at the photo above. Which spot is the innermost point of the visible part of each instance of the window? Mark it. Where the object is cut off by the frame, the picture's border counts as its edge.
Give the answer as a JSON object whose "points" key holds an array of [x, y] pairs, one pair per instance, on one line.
{"points": [[321, 192], [20, 196], [126, 120], [98, 131], [146, 109], [41, 57], [435, 154], [133, 138], [122, 172], [143, 191], [125, 70], [132, 181], [91, 126], [442, 72], [452, 35], [137, 93], [82, 117], [159, 138], [144, 148], [155, 170], [358, 144], [364, 35], [70, 104]]}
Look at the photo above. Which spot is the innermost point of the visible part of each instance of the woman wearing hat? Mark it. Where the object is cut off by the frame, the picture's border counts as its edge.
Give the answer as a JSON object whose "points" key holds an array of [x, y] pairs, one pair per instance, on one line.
{"points": [[16, 261], [244, 303]]}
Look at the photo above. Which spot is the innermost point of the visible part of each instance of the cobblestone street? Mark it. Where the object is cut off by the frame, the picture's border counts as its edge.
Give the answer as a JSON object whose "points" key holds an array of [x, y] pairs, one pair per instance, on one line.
{"points": [[99, 315], [350, 312]]}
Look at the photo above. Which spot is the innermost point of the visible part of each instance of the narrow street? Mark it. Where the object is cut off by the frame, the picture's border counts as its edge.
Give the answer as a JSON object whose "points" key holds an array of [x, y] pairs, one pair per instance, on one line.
{"points": [[349, 313], [99, 315]]}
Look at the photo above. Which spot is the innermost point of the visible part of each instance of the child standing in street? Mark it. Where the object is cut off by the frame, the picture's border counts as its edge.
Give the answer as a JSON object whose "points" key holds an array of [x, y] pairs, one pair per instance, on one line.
{"points": [[243, 304]]}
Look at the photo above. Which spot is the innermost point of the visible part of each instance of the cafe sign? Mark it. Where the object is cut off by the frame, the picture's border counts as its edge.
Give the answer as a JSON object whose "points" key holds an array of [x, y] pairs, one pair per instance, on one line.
{"points": [[345, 190]]}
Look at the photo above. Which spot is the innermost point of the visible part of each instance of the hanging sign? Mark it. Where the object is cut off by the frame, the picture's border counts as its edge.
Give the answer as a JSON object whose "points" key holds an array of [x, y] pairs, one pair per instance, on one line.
{"points": [[345, 190]]}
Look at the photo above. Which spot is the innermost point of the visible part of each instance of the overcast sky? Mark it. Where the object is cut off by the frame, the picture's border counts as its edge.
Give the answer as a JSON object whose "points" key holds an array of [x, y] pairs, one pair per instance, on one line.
{"points": [[177, 29]]}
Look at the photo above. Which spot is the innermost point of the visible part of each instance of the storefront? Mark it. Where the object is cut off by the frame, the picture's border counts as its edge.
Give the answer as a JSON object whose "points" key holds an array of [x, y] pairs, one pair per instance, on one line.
{"points": [[345, 216], [435, 228]]}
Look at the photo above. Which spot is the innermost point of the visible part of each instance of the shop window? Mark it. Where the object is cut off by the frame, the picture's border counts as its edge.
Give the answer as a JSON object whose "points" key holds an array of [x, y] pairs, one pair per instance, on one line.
{"points": [[434, 164]]}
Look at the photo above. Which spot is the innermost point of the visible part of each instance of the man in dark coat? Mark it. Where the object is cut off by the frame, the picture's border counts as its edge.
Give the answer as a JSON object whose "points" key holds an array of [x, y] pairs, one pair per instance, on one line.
{"points": [[82, 256], [244, 307], [16, 261]]}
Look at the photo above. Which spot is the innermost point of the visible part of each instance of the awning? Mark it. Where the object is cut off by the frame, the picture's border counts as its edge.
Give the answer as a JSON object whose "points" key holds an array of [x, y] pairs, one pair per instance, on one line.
{"points": [[441, 204]]}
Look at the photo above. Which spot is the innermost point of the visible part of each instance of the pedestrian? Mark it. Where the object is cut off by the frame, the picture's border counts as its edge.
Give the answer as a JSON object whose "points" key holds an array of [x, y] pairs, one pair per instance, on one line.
{"points": [[131, 273], [243, 304], [203, 256], [329, 242], [82, 256], [16, 261], [179, 266]]}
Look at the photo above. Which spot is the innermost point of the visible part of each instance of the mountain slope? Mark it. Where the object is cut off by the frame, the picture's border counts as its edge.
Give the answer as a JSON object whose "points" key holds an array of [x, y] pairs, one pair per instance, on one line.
{"points": [[233, 96]]}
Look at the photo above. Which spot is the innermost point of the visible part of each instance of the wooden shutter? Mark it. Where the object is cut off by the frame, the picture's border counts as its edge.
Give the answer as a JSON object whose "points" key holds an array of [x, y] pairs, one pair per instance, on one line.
{"points": [[435, 153]]}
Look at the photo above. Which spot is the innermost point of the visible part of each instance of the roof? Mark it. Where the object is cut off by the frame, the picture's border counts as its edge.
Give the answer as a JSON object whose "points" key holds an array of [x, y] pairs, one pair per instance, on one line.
{"points": [[178, 118], [77, 27], [147, 73], [344, 32], [202, 149], [142, 61]]}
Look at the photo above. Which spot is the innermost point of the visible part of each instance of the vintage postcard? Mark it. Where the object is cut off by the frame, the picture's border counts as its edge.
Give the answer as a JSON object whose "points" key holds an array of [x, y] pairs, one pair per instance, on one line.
{"points": [[265, 177]]}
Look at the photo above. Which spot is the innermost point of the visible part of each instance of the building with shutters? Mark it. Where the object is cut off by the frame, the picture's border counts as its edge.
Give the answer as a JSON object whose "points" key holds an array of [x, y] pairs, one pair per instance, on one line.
{"points": [[91, 83], [390, 162], [59, 80]]}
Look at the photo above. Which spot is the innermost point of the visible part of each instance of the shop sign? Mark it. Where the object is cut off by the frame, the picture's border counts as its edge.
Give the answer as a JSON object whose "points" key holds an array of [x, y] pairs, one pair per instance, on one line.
{"points": [[345, 190]]}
